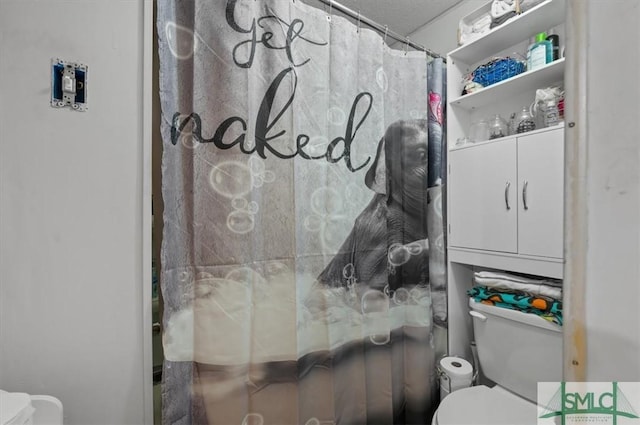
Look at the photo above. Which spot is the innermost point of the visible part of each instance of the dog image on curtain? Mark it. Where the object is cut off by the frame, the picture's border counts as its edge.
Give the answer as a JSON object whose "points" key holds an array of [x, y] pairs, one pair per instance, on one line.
{"points": [[387, 248]]}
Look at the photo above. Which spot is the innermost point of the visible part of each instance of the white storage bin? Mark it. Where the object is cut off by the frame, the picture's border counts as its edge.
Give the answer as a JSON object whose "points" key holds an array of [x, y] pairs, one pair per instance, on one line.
{"points": [[475, 24], [25, 409], [15, 409], [478, 23]]}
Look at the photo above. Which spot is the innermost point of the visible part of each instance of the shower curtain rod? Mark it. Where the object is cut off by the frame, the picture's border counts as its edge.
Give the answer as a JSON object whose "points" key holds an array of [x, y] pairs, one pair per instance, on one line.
{"points": [[381, 28]]}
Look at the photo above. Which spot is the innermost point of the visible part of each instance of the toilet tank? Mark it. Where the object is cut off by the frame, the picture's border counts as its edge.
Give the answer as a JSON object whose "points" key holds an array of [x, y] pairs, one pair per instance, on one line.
{"points": [[516, 350]]}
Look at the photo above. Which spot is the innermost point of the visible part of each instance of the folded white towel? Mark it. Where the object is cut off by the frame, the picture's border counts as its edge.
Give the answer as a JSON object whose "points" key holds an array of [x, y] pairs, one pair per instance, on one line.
{"points": [[482, 24], [502, 7], [520, 278], [543, 287]]}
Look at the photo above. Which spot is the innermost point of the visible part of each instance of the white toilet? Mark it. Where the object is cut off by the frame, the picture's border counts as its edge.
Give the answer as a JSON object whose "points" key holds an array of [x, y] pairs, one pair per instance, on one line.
{"points": [[516, 351]]}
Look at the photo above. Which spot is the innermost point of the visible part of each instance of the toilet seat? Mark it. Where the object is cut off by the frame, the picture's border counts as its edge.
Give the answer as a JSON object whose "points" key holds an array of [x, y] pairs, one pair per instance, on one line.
{"points": [[481, 405]]}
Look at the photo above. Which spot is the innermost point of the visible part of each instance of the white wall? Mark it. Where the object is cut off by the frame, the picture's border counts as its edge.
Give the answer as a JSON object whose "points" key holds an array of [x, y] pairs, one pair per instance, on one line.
{"points": [[603, 181], [72, 210]]}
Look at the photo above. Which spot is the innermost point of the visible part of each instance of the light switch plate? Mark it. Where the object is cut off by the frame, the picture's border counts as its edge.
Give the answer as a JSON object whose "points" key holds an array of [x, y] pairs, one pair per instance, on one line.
{"points": [[69, 84]]}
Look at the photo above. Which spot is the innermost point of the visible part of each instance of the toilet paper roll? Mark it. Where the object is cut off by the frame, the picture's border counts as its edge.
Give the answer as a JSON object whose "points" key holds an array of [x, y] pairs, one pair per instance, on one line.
{"points": [[456, 373]]}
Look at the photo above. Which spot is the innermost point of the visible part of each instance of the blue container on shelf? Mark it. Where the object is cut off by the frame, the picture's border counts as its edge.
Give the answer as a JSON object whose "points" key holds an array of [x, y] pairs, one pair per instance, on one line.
{"points": [[497, 70]]}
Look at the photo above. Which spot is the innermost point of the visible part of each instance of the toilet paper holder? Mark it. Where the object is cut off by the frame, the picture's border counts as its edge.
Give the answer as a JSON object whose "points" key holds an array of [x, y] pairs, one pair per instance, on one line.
{"points": [[444, 378]]}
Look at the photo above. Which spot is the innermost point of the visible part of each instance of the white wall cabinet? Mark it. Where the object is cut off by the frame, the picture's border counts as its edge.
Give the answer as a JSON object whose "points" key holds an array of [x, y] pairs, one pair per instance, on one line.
{"points": [[541, 194], [506, 196], [482, 209]]}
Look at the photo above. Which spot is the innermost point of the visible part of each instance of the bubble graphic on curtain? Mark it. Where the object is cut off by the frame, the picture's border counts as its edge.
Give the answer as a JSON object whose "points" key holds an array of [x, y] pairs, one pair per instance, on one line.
{"points": [[439, 243], [239, 203], [401, 296], [336, 116], [349, 271], [186, 138], [240, 222], [231, 179], [313, 223], [421, 296], [246, 275], [253, 419], [182, 41], [259, 173], [381, 79], [438, 204], [349, 274], [398, 255], [253, 207], [414, 248], [375, 308]]}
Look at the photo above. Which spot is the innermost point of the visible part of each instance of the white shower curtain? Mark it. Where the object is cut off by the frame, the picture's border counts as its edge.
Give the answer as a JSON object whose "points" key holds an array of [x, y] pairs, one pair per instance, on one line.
{"points": [[295, 256]]}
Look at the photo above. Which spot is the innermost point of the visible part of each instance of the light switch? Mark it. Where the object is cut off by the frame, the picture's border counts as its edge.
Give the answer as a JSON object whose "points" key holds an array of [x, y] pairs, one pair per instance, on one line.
{"points": [[68, 84]]}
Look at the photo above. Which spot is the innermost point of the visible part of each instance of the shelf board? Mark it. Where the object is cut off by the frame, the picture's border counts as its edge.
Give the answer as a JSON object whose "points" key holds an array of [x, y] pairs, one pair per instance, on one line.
{"points": [[540, 18], [529, 80], [558, 126], [540, 266]]}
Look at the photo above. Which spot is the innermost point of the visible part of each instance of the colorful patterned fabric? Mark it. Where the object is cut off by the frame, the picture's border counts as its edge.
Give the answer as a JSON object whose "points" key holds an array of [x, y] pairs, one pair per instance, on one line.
{"points": [[547, 308]]}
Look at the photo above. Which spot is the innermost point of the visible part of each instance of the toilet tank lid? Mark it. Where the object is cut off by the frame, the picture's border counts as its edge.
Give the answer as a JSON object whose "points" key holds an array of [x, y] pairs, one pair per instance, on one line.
{"points": [[515, 315], [15, 408]]}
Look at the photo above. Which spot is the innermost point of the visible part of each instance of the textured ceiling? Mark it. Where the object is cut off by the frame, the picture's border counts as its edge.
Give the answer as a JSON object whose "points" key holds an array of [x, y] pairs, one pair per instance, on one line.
{"points": [[402, 16]]}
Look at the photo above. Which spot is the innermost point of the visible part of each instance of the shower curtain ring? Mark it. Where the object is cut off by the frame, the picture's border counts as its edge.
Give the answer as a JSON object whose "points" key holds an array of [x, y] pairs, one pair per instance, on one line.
{"points": [[358, 21], [330, 9], [386, 29], [406, 45]]}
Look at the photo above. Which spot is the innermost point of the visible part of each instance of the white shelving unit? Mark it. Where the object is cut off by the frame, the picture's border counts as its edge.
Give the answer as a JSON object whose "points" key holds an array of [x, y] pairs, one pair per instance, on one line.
{"points": [[545, 15], [492, 181], [541, 77]]}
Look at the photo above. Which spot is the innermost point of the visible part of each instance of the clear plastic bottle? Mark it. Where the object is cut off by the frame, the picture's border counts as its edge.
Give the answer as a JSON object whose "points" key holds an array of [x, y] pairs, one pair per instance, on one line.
{"points": [[554, 39], [512, 123], [525, 121], [540, 53], [479, 131], [498, 127], [551, 113]]}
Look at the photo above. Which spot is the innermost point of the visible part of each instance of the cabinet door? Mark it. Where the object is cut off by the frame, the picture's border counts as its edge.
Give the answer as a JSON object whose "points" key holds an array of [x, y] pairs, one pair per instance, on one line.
{"points": [[482, 196], [541, 189]]}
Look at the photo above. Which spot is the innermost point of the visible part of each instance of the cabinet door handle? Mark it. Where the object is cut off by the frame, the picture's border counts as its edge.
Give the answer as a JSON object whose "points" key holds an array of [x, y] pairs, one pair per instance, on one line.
{"points": [[506, 195], [524, 195]]}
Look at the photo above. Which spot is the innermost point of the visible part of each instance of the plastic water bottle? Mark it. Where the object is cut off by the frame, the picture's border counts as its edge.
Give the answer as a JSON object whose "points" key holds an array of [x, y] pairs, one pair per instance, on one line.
{"points": [[551, 113]]}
